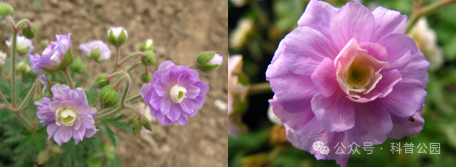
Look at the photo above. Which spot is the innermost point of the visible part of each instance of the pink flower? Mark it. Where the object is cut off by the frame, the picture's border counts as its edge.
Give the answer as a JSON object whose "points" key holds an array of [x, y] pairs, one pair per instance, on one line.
{"points": [[348, 75]]}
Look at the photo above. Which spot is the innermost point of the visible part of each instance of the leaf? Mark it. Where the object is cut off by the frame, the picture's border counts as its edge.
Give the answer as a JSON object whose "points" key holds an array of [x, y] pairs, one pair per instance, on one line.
{"points": [[115, 122], [110, 134], [25, 142]]}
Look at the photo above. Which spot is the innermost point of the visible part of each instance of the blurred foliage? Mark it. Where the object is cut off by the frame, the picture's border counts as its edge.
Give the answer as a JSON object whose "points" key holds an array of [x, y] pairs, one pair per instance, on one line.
{"points": [[273, 19]]}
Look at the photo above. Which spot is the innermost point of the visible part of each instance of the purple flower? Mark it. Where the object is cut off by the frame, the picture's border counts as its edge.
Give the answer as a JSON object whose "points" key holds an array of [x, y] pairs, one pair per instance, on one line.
{"points": [[43, 81], [24, 45], [348, 75], [53, 56], [105, 52], [67, 114], [174, 94]]}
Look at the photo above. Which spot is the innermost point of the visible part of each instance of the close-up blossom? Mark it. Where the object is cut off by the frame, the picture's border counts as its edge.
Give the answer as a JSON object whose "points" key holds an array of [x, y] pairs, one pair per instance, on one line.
{"points": [[24, 45], [348, 75], [104, 53], [67, 114], [54, 56], [174, 94]]}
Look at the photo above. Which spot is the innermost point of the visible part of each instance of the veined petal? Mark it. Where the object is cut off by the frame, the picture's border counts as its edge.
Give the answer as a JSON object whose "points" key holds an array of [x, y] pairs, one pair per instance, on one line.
{"points": [[407, 126], [324, 78], [317, 16], [336, 113], [387, 22]]}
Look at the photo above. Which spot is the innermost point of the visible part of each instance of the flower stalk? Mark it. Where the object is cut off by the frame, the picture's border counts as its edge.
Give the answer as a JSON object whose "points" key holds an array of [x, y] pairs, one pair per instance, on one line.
{"points": [[425, 11], [13, 69], [68, 77], [260, 88]]}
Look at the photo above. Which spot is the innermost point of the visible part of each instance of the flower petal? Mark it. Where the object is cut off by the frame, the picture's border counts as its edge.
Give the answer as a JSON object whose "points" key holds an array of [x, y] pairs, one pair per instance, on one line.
{"points": [[51, 128], [336, 112], [324, 78], [373, 124], [294, 120], [317, 16], [406, 98], [397, 45], [353, 20], [407, 126], [386, 22]]}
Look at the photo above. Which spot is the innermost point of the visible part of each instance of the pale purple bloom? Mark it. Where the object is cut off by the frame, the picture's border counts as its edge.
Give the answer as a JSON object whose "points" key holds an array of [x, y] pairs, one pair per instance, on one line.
{"points": [[174, 94], [67, 114], [348, 75], [105, 52], [22, 43], [52, 55]]}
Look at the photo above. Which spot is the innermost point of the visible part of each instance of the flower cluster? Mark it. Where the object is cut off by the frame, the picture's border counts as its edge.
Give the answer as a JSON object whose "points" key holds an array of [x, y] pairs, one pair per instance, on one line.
{"points": [[67, 114], [348, 75], [174, 94]]}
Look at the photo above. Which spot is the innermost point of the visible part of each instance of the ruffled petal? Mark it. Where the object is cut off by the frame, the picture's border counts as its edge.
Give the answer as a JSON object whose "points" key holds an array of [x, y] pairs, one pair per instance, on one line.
{"points": [[317, 16], [407, 126], [336, 112], [387, 22], [324, 78]]}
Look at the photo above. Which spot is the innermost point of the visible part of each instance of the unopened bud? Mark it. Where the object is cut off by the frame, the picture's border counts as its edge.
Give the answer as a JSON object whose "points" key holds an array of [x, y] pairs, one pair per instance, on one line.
{"points": [[149, 59], [146, 124], [56, 150], [37, 97], [209, 61], [23, 67], [5, 9], [136, 127], [29, 32], [117, 35], [146, 77], [108, 97], [101, 81], [42, 158], [147, 45], [130, 121]]}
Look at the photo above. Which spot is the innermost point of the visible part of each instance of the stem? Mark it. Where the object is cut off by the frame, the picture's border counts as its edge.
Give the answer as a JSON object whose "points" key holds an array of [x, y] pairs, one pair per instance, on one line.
{"points": [[117, 56], [130, 56], [133, 67], [4, 99], [427, 10], [259, 88], [13, 68], [107, 114], [133, 98], [29, 24], [90, 72], [27, 98], [124, 95], [68, 77], [23, 120]]}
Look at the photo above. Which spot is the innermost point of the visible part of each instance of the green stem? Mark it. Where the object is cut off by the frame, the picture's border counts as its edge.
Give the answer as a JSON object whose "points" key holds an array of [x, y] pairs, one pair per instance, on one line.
{"points": [[425, 11], [68, 77], [124, 95], [29, 24], [117, 56], [13, 68], [23, 120], [109, 113], [4, 99], [133, 67], [90, 72], [133, 98], [27, 98], [130, 56], [259, 88]]}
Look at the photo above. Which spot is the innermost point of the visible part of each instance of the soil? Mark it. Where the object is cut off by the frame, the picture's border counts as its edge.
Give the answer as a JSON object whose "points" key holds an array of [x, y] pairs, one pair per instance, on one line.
{"points": [[181, 29]]}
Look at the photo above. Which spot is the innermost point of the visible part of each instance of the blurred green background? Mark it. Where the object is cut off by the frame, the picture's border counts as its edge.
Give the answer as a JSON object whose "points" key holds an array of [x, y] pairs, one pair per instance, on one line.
{"points": [[266, 22]]}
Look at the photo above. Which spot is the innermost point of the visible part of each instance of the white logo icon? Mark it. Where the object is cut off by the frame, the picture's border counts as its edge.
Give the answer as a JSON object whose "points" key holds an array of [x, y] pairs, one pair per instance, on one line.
{"points": [[320, 147]]}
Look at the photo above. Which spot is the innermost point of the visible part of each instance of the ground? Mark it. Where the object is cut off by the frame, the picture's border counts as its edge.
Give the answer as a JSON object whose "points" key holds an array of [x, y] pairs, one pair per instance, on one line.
{"points": [[180, 29]]}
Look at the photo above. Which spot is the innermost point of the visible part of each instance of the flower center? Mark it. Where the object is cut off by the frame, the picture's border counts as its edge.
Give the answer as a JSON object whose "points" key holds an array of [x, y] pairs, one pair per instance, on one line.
{"points": [[65, 117], [177, 93]]}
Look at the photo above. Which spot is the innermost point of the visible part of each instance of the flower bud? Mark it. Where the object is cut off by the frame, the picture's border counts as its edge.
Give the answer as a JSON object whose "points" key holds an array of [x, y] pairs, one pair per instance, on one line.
{"points": [[5, 9], [149, 59], [146, 124], [209, 61], [101, 81], [22, 50], [29, 32], [146, 77], [136, 127], [95, 54], [37, 97], [130, 121], [56, 150], [108, 97], [43, 157], [147, 45], [117, 35], [23, 67]]}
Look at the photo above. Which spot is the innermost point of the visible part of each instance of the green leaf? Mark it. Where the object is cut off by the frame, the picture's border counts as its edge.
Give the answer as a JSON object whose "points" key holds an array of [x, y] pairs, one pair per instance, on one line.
{"points": [[24, 143], [110, 134]]}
